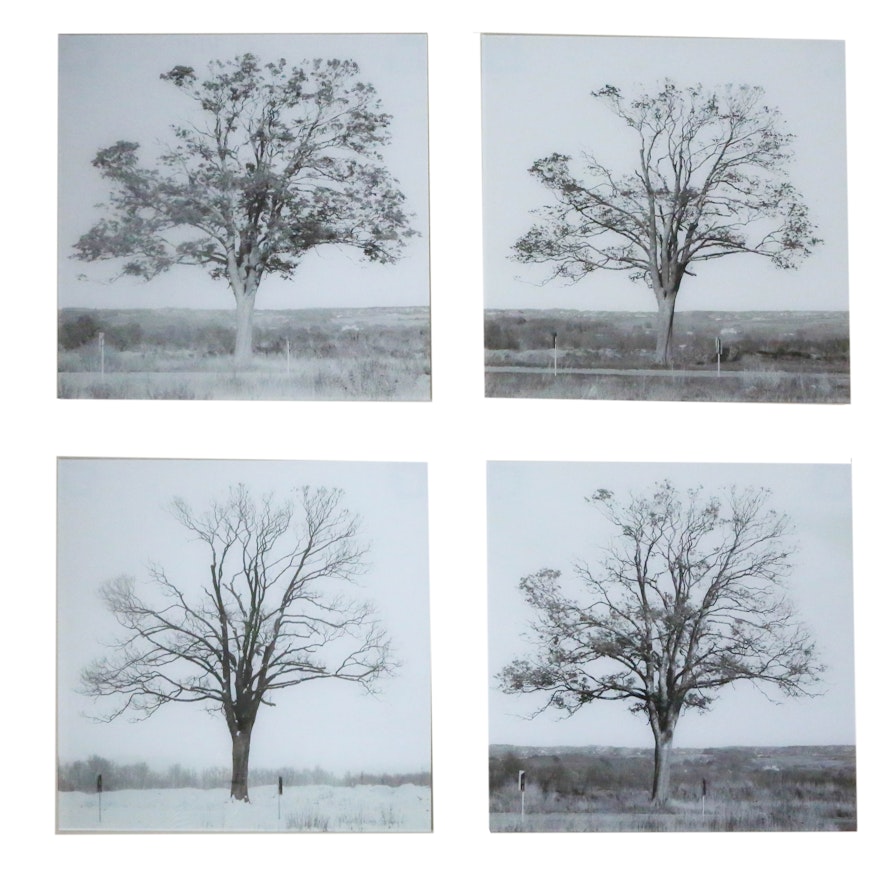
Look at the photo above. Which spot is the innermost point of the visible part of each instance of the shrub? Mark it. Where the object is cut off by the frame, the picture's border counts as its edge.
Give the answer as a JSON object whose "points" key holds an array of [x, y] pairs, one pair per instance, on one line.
{"points": [[126, 336], [78, 332]]}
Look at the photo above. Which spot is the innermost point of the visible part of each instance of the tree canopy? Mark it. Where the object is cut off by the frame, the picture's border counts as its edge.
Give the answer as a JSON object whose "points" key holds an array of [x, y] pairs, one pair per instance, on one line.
{"points": [[264, 619], [277, 159], [688, 599], [709, 179]]}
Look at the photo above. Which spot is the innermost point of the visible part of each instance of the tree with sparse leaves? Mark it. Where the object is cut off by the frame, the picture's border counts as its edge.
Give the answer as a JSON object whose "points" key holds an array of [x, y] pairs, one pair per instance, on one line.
{"points": [[710, 180], [262, 621], [277, 160], [689, 599]]}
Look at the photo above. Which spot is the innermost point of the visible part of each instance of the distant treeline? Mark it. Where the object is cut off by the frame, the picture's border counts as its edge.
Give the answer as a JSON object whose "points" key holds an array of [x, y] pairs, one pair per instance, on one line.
{"points": [[591, 339], [588, 774], [212, 337], [77, 331], [82, 776], [213, 332]]}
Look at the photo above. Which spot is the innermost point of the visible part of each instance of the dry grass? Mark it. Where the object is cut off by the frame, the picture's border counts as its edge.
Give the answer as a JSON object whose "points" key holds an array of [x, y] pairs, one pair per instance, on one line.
{"points": [[311, 380], [381, 354], [765, 387], [772, 815], [778, 357], [803, 789]]}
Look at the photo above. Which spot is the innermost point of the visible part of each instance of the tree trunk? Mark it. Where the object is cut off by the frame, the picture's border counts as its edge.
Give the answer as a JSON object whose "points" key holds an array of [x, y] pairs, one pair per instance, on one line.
{"points": [[665, 314], [241, 751], [662, 754], [244, 327]]}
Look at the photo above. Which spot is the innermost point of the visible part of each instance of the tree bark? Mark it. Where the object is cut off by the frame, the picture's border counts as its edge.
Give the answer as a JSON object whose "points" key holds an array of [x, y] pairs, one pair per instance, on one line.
{"points": [[665, 314], [244, 327], [662, 751], [241, 751]]}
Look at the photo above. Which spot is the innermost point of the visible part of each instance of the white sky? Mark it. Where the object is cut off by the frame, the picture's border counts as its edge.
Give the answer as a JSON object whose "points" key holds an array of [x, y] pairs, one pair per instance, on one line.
{"points": [[110, 90], [537, 518], [537, 101], [113, 520]]}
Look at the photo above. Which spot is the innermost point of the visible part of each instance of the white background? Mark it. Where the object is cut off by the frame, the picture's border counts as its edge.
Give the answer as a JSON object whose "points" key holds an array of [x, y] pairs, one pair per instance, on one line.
{"points": [[455, 434]]}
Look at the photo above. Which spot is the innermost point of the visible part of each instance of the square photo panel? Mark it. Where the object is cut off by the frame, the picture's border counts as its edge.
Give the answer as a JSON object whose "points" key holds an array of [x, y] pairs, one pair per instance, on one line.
{"points": [[665, 219], [670, 647], [243, 217], [243, 646]]}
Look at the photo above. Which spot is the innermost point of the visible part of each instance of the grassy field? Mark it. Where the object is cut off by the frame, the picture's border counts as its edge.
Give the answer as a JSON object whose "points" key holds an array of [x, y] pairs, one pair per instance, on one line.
{"points": [[767, 387], [796, 788], [778, 357], [343, 354]]}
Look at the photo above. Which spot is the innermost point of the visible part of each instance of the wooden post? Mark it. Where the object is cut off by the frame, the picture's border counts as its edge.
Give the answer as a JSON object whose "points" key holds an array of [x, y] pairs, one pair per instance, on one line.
{"points": [[288, 360], [554, 354], [101, 349], [522, 789], [280, 792], [703, 798], [718, 355], [99, 784]]}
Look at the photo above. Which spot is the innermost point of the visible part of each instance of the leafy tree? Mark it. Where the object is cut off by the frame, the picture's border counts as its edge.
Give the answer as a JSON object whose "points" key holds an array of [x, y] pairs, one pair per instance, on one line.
{"points": [[262, 622], [688, 599], [710, 180], [279, 160]]}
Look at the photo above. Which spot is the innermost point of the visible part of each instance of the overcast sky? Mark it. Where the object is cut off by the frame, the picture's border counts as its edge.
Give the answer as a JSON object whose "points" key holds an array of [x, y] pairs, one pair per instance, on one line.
{"points": [[113, 520], [537, 101], [109, 90], [537, 518]]}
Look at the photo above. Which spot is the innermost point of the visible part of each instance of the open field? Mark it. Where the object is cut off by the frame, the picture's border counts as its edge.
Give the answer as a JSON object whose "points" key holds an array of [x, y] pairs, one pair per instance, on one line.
{"points": [[301, 808], [767, 387], [798, 788], [798, 357], [342, 354]]}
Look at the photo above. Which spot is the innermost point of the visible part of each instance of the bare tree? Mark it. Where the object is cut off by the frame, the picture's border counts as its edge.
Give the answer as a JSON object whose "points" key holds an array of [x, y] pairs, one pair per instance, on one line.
{"points": [[689, 598], [709, 179], [261, 622]]}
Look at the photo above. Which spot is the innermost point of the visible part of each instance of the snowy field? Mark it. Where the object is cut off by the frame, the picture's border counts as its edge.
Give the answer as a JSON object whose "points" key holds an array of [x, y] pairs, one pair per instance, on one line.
{"points": [[302, 808]]}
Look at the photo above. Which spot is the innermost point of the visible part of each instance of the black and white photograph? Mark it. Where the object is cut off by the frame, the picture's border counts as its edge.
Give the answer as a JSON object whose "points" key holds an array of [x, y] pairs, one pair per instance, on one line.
{"points": [[243, 217], [671, 647], [243, 646], [665, 219], [284, 273]]}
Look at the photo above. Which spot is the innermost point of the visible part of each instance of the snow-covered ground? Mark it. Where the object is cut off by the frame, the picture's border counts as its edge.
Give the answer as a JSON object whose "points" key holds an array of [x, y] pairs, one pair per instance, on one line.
{"points": [[302, 808]]}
